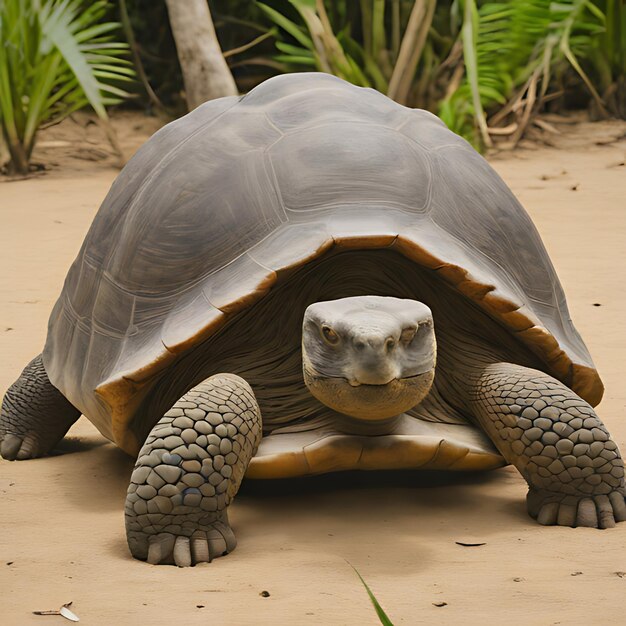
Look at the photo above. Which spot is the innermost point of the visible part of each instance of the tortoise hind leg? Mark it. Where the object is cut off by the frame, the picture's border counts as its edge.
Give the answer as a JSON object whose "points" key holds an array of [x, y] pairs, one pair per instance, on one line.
{"points": [[188, 472], [35, 415], [555, 439]]}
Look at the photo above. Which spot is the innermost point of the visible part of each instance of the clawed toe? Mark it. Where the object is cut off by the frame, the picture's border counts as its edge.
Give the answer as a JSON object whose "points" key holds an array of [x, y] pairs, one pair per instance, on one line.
{"points": [[182, 552], [600, 511], [619, 506], [203, 546], [10, 446], [606, 516], [200, 552], [160, 546], [19, 447]]}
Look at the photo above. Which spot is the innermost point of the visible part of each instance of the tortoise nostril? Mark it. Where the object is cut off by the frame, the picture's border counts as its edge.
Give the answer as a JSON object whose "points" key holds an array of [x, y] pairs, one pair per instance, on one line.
{"points": [[359, 345]]}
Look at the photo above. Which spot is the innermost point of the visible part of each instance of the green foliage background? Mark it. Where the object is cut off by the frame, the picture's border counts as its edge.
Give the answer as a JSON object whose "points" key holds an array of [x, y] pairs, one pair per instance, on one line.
{"points": [[56, 56], [469, 59], [486, 68]]}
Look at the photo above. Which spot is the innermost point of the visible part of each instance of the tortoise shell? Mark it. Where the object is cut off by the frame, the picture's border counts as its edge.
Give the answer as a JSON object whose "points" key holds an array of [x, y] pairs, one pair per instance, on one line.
{"points": [[221, 206]]}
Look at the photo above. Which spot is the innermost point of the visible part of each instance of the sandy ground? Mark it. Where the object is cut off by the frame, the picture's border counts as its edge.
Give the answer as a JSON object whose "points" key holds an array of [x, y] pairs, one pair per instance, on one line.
{"points": [[62, 535]]}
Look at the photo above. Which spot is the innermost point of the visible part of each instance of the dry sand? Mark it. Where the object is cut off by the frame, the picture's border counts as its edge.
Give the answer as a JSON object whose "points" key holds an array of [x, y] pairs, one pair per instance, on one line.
{"points": [[62, 528]]}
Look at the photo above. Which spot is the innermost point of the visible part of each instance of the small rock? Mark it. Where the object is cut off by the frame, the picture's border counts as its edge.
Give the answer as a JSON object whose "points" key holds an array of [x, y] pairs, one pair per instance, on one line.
{"points": [[575, 573], [265, 594], [518, 580], [440, 604]]}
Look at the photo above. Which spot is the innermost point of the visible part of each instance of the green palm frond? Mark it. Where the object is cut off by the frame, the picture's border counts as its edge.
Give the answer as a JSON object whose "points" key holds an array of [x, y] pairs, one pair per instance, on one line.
{"points": [[56, 56], [518, 41]]}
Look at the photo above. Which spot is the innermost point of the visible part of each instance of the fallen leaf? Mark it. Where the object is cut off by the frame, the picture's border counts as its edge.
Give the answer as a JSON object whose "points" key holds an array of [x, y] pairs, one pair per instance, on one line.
{"points": [[440, 604], [470, 544], [67, 614], [518, 580], [63, 611], [621, 574], [575, 573]]}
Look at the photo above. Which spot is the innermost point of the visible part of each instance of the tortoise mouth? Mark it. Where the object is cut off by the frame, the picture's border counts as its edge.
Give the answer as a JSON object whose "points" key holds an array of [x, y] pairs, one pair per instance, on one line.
{"points": [[353, 382], [367, 401]]}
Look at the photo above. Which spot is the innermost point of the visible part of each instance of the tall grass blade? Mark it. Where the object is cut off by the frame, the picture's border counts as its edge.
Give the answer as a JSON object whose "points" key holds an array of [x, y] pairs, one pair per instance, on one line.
{"points": [[286, 24], [382, 616]]}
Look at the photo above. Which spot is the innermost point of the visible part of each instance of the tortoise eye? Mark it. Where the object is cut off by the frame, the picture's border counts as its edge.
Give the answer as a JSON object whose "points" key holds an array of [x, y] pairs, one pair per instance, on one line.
{"points": [[408, 334], [330, 335]]}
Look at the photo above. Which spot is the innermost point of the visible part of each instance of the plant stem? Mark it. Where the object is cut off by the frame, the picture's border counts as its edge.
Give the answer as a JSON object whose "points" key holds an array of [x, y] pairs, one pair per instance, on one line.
{"points": [[470, 22]]}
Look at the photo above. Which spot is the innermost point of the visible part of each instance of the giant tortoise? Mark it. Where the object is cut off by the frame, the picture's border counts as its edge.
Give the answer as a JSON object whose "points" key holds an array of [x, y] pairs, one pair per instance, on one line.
{"points": [[306, 279]]}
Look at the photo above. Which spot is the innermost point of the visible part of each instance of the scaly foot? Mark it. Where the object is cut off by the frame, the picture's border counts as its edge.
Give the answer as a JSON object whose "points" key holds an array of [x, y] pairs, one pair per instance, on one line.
{"points": [[34, 415], [597, 511]]}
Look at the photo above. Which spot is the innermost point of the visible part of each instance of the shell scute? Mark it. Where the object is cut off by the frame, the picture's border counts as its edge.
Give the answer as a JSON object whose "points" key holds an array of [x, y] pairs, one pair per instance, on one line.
{"points": [[428, 131], [193, 320], [294, 111], [238, 284], [341, 164], [86, 280], [113, 308], [292, 245]]}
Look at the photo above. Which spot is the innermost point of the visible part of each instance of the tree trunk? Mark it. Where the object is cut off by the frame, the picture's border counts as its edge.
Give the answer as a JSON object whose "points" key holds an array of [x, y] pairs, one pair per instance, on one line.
{"points": [[205, 72]]}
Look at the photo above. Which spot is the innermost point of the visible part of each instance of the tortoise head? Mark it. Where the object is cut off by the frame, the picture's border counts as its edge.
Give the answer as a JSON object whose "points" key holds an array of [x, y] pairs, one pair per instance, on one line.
{"points": [[369, 357]]}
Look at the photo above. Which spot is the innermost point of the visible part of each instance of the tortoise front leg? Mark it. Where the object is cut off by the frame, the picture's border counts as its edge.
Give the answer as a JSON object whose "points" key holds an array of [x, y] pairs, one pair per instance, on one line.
{"points": [[188, 472], [555, 439], [34, 416]]}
